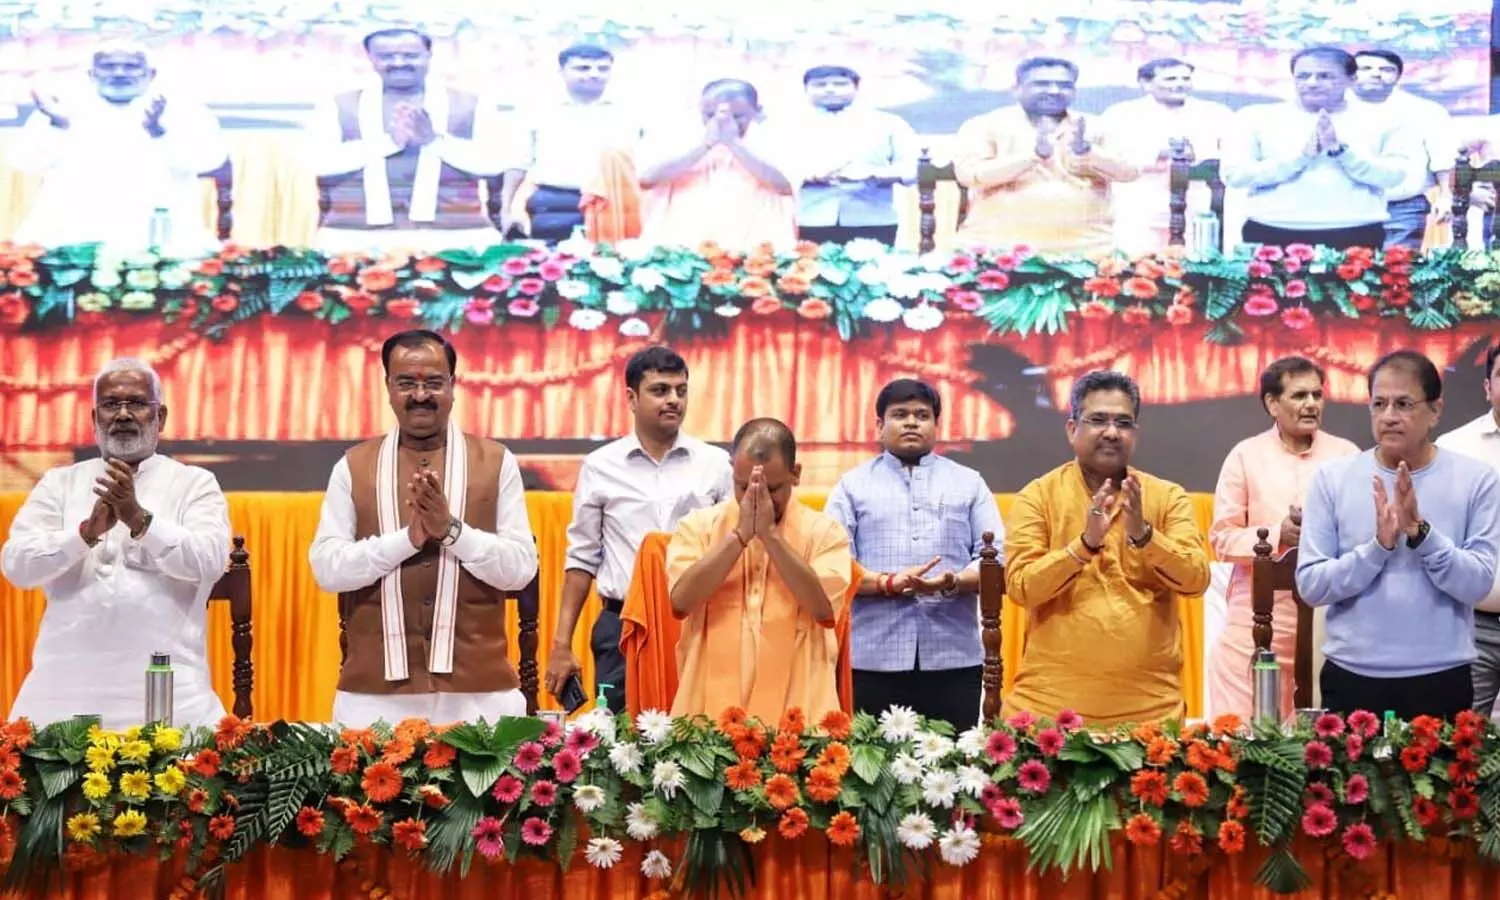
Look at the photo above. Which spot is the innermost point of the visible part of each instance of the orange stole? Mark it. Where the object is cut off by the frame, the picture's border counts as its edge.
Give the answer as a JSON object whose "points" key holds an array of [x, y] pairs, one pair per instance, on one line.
{"points": [[611, 203], [649, 633]]}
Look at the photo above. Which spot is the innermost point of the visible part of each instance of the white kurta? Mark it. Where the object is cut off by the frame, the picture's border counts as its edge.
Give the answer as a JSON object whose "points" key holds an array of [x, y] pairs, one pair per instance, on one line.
{"points": [[111, 606], [505, 559], [103, 176]]}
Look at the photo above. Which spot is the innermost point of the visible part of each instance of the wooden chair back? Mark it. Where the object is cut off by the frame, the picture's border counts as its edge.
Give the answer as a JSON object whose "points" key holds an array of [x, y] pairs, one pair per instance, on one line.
{"points": [[528, 608], [223, 179], [233, 587], [929, 177], [1269, 574], [1465, 176], [491, 197], [1180, 177], [991, 601]]}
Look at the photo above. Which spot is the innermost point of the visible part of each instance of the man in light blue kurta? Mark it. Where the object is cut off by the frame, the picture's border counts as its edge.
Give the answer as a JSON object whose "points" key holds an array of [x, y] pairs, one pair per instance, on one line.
{"points": [[917, 522], [1400, 543]]}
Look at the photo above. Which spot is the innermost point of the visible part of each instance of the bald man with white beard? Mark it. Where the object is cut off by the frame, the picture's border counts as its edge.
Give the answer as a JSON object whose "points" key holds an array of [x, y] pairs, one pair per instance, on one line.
{"points": [[126, 548]]}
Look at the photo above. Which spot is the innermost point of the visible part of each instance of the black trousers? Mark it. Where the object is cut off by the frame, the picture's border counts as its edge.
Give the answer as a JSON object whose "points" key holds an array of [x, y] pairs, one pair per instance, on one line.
{"points": [[1372, 235], [1443, 694], [554, 213], [843, 234], [951, 695], [609, 662]]}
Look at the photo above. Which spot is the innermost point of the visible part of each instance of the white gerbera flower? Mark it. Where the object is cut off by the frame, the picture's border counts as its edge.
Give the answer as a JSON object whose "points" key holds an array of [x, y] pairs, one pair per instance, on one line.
{"points": [[932, 748], [586, 319], [667, 778], [916, 831], [864, 249], [899, 723], [972, 780], [922, 317], [603, 852], [959, 847], [939, 788], [619, 304], [633, 249], [654, 726], [576, 246], [626, 758], [883, 309], [727, 310], [972, 743], [602, 725], [905, 769], [633, 327], [588, 797], [656, 865], [640, 824], [608, 268], [648, 280], [572, 288]]}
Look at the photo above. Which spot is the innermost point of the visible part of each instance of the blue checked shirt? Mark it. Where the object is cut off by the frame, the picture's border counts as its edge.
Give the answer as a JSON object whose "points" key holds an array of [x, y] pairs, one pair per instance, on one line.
{"points": [[899, 517]]}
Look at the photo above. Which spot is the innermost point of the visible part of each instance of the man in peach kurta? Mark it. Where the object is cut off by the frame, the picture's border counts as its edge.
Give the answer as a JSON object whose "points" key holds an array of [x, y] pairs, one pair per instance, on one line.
{"points": [[1036, 173], [759, 582], [1097, 554], [726, 181], [1262, 485]]}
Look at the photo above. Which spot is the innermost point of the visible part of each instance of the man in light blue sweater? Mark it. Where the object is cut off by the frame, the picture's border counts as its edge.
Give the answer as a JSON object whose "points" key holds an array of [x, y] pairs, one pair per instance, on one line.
{"points": [[1400, 543]]}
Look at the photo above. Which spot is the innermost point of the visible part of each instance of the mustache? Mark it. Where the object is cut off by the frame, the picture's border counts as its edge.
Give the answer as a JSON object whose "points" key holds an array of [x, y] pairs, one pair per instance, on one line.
{"points": [[422, 404]]}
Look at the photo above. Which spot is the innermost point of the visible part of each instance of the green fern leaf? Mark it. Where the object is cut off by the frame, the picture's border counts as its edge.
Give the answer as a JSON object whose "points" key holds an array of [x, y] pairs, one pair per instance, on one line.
{"points": [[1282, 874]]}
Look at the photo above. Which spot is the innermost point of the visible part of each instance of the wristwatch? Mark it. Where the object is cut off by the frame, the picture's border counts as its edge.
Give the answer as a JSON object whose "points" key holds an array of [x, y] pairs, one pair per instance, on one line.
{"points": [[1145, 538], [1423, 529], [1339, 150], [450, 537]]}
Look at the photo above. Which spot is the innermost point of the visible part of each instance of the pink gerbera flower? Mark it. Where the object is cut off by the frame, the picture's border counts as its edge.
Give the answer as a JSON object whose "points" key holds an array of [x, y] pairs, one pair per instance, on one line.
{"points": [[1317, 793], [567, 766], [544, 793], [1319, 821], [1356, 789], [1021, 721], [508, 789], [529, 757], [1068, 720], [1050, 741], [1007, 813], [1317, 755], [552, 735], [1000, 747], [1328, 725], [535, 831], [582, 742], [1364, 723], [1359, 841], [489, 837], [1034, 777]]}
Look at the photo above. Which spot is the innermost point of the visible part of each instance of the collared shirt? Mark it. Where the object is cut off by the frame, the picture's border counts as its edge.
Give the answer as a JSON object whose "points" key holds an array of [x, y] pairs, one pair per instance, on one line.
{"points": [[110, 606], [871, 143], [899, 516], [1103, 633], [1266, 156], [1056, 205], [105, 162], [1479, 439], [622, 494], [718, 200], [752, 644], [504, 559], [1430, 128], [560, 142]]}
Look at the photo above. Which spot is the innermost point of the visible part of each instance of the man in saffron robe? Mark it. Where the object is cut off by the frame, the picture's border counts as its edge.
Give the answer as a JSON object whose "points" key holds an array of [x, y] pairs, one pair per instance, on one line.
{"points": [[1098, 553], [758, 582]]}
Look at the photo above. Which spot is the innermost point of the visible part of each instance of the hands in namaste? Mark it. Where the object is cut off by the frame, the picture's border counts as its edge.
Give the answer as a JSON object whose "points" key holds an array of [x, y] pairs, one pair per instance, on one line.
{"points": [[430, 516]]}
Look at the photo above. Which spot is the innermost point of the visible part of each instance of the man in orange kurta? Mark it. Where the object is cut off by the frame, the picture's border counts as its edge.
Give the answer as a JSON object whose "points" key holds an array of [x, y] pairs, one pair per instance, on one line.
{"points": [[759, 583], [1097, 553]]}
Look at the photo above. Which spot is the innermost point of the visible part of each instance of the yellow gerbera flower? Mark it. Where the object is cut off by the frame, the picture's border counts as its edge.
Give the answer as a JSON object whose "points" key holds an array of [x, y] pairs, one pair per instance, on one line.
{"points": [[100, 759], [170, 781], [96, 786], [101, 738], [167, 739], [129, 823], [133, 733], [135, 785], [135, 752], [83, 827]]}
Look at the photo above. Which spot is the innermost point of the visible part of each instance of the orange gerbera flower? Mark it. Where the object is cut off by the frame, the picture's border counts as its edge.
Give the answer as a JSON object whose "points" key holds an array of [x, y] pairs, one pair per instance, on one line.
{"points": [[410, 834], [206, 763], [781, 792], [793, 824], [732, 717], [837, 757], [1142, 830], [439, 755], [1202, 757], [362, 738], [364, 819], [398, 750], [843, 830], [1229, 723], [345, 760], [382, 782], [221, 827], [232, 732], [793, 721], [1160, 751], [1231, 836], [749, 743], [742, 776], [1149, 786], [824, 784], [1192, 787], [787, 753], [837, 724], [309, 822]]}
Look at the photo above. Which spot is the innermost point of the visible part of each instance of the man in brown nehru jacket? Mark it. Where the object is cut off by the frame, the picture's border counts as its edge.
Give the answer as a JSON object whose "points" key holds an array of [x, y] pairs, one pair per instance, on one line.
{"points": [[400, 164], [423, 533]]}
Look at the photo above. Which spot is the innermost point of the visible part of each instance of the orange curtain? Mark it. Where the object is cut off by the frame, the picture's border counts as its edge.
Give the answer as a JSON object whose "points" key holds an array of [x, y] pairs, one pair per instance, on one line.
{"points": [[810, 869], [274, 378], [296, 650]]}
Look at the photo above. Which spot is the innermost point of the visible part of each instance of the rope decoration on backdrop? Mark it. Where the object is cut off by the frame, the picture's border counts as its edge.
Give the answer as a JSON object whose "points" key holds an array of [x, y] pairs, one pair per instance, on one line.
{"points": [[156, 359]]}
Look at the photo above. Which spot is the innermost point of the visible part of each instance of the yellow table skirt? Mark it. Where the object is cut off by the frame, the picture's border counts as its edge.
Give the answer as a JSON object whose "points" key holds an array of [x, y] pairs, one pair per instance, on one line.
{"points": [[296, 625]]}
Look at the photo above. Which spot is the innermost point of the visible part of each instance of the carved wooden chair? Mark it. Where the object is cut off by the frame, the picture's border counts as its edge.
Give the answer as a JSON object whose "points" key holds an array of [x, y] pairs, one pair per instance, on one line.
{"points": [[528, 605], [1465, 176], [233, 587], [991, 601], [223, 179], [929, 177], [1268, 575], [491, 198], [1180, 177]]}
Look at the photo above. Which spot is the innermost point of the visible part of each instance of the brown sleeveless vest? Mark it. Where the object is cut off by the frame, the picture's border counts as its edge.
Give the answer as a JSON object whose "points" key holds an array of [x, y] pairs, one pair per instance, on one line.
{"points": [[458, 203], [481, 663]]}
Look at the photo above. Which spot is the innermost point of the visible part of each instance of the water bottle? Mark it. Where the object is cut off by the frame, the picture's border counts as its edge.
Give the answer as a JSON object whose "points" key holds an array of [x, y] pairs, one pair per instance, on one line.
{"points": [[159, 690], [1265, 685], [1203, 236], [160, 234]]}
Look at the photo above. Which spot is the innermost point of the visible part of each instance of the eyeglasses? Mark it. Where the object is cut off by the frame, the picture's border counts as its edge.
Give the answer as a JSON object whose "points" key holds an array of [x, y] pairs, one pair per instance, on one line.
{"points": [[1102, 422], [1404, 406], [434, 385], [134, 407]]}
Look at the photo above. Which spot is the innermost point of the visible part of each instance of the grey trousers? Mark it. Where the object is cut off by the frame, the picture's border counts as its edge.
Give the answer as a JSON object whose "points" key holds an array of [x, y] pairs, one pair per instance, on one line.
{"points": [[1486, 667]]}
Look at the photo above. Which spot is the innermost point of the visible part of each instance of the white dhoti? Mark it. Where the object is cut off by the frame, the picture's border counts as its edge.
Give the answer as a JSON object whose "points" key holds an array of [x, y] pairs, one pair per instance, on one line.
{"points": [[363, 710], [394, 240]]}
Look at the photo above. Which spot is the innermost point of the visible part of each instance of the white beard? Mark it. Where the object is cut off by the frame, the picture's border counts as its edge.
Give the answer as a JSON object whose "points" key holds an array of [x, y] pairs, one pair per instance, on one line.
{"points": [[130, 448]]}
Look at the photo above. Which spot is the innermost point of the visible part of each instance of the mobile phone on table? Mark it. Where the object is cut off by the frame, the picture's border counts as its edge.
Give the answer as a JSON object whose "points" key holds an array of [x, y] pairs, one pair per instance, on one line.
{"points": [[573, 698]]}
